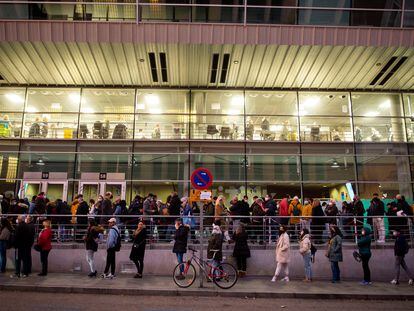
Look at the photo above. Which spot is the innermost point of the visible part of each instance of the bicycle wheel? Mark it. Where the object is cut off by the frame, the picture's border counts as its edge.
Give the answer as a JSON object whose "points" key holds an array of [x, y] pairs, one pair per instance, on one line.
{"points": [[225, 276], [187, 278]]}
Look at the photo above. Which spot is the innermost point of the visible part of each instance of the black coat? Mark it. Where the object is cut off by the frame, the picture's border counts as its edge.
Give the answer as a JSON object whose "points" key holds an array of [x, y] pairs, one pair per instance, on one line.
{"points": [[83, 210], [241, 248], [24, 236], [181, 237], [138, 247], [215, 243], [91, 235]]}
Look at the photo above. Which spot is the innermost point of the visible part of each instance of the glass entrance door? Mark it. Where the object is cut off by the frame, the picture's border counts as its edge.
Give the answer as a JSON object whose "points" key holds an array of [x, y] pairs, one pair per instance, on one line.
{"points": [[31, 188], [56, 190], [89, 191], [116, 188]]}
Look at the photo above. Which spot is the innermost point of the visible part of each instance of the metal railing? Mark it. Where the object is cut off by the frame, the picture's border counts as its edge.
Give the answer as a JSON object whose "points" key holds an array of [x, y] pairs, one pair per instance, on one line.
{"points": [[261, 230], [140, 11]]}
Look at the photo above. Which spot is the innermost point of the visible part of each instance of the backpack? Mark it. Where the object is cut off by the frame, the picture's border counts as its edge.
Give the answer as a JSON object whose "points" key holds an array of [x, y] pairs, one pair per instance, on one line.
{"points": [[124, 212], [34, 130], [313, 249], [120, 132], [11, 242], [296, 210], [118, 241]]}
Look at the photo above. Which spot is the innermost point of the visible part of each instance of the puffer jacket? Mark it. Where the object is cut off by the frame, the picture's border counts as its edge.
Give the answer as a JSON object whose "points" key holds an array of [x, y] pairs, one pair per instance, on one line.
{"points": [[305, 245], [335, 249], [364, 243]]}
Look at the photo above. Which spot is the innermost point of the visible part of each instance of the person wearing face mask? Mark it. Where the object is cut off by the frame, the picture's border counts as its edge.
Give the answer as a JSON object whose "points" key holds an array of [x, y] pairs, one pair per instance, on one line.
{"points": [[81, 219], [24, 238], [364, 248], [305, 250], [282, 254], [401, 249], [334, 252], [305, 221], [180, 244]]}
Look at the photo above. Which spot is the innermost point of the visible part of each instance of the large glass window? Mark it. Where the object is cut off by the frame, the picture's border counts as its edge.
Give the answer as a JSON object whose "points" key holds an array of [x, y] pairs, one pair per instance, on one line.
{"points": [[50, 125], [376, 105], [12, 99], [328, 167], [159, 126], [106, 126], [229, 127], [324, 104], [52, 100], [335, 129], [271, 103], [377, 129], [162, 101]]}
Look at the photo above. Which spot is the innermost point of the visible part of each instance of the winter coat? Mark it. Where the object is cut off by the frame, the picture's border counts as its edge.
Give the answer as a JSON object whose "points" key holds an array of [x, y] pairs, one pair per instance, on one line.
{"points": [[283, 248], [318, 213], [364, 243], [181, 237], [331, 211], [401, 246], [284, 207], [82, 210], [335, 249], [138, 246], [219, 210], [24, 236], [4, 234], [241, 248], [295, 209], [305, 245], [113, 235], [91, 236], [307, 211], [73, 210], [45, 239], [271, 207], [377, 207], [215, 242]]}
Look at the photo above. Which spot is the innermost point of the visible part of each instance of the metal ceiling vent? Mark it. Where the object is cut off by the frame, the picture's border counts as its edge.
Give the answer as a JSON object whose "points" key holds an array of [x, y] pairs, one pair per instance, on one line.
{"points": [[389, 69], [2, 79], [153, 65], [163, 62], [225, 68], [215, 70]]}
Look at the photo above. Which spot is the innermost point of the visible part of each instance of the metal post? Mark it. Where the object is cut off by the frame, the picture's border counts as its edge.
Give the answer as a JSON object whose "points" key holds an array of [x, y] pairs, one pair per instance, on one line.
{"points": [[200, 270]]}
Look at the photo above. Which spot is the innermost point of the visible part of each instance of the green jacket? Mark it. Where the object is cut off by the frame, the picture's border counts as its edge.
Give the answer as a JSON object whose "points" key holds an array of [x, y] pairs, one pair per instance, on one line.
{"points": [[335, 249], [364, 243]]}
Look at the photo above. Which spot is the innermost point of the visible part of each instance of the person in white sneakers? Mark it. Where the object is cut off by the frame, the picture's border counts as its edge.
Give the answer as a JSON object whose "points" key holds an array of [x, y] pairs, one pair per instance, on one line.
{"points": [[401, 249], [282, 254]]}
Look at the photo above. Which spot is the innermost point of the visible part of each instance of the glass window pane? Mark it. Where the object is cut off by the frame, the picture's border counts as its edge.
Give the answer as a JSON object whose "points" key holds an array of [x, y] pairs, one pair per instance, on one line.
{"points": [[409, 123], [271, 103], [373, 105], [104, 146], [50, 125], [217, 127], [273, 168], [409, 105], [104, 163], [324, 104], [12, 99], [161, 189], [323, 17], [150, 126], [10, 124], [106, 126], [383, 168], [8, 165], [325, 129], [230, 103], [270, 128], [328, 167], [278, 189], [269, 148], [376, 129], [161, 101], [315, 148], [52, 100], [160, 167], [217, 148], [222, 166], [228, 190], [107, 101], [271, 16], [325, 191], [385, 190], [37, 161], [409, 19]]}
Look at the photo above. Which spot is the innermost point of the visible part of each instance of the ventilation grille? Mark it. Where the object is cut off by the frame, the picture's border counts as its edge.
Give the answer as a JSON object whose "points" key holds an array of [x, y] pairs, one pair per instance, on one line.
{"points": [[391, 67], [225, 68], [153, 65], [2, 79], [163, 62], [214, 68]]}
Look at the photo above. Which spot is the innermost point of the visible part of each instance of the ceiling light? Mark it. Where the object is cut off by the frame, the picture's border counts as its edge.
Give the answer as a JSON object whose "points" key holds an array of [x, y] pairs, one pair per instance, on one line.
{"points": [[279, 95], [335, 164], [87, 110], [253, 95], [40, 162], [266, 95], [55, 106], [140, 106], [215, 106], [31, 109], [75, 97], [14, 98], [343, 96], [97, 93], [155, 111], [311, 101], [141, 60], [235, 62], [58, 93], [371, 114], [233, 112], [302, 112], [237, 101], [385, 105], [152, 99]]}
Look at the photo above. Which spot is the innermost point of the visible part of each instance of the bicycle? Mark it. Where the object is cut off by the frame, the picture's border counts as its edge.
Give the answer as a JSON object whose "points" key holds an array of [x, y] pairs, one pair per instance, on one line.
{"points": [[224, 276]]}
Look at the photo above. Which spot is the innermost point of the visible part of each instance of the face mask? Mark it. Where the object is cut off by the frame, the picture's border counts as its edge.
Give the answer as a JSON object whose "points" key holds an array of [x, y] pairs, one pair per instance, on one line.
{"points": [[394, 233], [306, 202], [17, 221]]}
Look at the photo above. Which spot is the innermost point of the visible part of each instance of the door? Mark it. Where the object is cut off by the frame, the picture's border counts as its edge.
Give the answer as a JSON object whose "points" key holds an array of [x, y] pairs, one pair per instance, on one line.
{"points": [[31, 188], [89, 190], [56, 190], [118, 189]]}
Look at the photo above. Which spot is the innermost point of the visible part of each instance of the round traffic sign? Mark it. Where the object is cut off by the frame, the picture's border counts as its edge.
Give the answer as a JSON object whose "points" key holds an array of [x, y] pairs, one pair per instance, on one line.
{"points": [[201, 178]]}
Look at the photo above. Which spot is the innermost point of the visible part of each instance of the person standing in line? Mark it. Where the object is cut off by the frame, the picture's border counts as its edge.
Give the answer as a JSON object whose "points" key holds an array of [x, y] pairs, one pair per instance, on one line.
{"points": [[318, 222], [32, 230], [5, 232], [305, 221], [180, 244], [334, 252], [282, 254], [91, 244], [284, 210], [81, 220], [305, 250], [295, 211], [401, 249], [138, 248], [364, 248], [214, 248], [378, 211], [45, 244], [111, 248], [23, 244], [220, 213], [241, 249], [107, 209]]}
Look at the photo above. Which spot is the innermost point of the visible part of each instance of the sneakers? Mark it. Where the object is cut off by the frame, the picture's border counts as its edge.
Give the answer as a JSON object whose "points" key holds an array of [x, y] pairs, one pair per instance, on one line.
{"points": [[285, 279], [273, 279], [108, 276], [93, 274], [395, 282], [410, 282], [138, 276], [365, 283], [15, 276]]}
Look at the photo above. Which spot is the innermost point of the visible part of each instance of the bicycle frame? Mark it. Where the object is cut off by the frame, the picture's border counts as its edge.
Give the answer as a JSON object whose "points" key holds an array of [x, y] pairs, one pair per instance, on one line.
{"points": [[203, 265]]}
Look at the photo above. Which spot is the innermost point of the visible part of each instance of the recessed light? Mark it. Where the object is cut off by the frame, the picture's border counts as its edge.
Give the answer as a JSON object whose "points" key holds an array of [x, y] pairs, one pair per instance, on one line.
{"points": [[142, 60], [378, 64], [235, 62]]}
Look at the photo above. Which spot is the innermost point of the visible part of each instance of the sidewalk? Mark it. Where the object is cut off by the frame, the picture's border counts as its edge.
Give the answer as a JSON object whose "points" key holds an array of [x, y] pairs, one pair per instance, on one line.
{"points": [[258, 287]]}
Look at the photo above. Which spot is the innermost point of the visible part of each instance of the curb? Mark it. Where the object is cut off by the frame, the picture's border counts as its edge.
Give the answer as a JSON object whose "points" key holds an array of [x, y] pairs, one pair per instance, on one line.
{"points": [[198, 293]]}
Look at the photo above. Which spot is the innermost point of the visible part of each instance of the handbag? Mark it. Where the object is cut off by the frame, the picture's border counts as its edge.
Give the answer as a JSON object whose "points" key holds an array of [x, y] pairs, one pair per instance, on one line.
{"points": [[357, 256], [37, 248]]}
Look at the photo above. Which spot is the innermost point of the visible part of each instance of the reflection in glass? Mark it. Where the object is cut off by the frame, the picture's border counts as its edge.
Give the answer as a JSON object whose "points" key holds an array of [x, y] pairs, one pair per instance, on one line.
{"points": [[162, 101], [379, 129], [272, 128], [10, 124], [383, 168], [148, 126], [409, 105], [222, 166], [273, 168], [385, 189], [47, 162], [160, 166], [376, 105], [12, 99], [326, 191], [325, 129], [108, 163], [217, 127], [324, 104], [271, 103], [106, 126], [50, 125], [52, 100], [225, 102], [107, 101], [328, 167]]}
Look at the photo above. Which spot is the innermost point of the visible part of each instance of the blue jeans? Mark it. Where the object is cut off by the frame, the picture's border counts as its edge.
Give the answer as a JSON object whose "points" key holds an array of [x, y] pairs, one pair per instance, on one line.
{"points": [[307, 263], [214, 263], [180, 260], [336, 273], [3, 255]]}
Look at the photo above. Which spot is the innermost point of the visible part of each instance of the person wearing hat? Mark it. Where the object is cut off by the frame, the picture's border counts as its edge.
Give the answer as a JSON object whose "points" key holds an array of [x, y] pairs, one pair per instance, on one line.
{"points": [[364, 247], [215, 245], [111, 244]]}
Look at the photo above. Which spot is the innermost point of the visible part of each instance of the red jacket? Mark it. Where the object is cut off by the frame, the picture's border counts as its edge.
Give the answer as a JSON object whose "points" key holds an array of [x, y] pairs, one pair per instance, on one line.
{"points": [[284, 207], [45, 239]]}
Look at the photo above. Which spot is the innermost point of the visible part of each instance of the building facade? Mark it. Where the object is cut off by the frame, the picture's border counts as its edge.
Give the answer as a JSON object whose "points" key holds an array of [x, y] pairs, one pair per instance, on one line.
{"points": [[297, 97]]}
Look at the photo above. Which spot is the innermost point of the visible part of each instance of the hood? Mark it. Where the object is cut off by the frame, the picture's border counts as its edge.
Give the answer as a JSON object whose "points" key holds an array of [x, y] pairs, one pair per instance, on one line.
{"points": [[306, 236], [367, 229], [216, 229]]}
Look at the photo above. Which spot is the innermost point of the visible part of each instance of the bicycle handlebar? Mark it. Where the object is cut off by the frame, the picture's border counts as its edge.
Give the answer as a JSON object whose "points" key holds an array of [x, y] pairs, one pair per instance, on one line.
{"points": [[192, 249]]}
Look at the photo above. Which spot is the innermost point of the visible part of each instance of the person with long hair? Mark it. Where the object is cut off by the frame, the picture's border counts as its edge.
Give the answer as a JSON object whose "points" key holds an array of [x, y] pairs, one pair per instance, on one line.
{"points": [[5, 232], [220, 213], [91, 244], [318, 221], [334, 252], [45, 243], [282, 254], [305, 250], [241, 249], [138, 248]]}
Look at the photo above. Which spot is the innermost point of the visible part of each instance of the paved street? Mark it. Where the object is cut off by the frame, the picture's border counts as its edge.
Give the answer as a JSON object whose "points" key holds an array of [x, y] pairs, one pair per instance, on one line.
{"points": [[15, 301]]}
